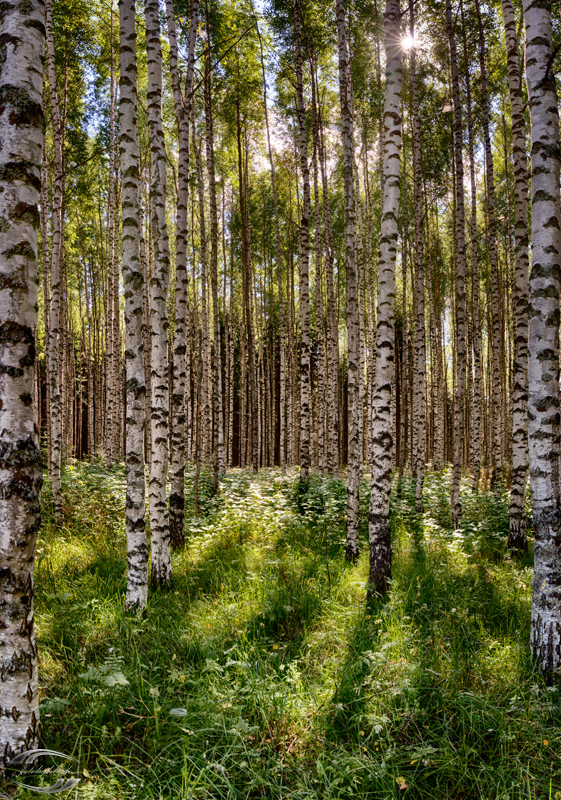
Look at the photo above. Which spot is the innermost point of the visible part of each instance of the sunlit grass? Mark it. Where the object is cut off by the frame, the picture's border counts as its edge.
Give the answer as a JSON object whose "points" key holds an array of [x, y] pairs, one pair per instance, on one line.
{"points": [[263, 673]]}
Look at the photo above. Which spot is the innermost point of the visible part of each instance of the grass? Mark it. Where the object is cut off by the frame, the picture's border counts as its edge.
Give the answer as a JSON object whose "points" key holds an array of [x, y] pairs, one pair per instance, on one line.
{"points": [[264, 674]]}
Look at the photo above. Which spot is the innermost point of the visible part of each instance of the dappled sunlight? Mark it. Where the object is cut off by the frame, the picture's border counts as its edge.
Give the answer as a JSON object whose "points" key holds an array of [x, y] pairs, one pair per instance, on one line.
{"points": [[264, 667]]}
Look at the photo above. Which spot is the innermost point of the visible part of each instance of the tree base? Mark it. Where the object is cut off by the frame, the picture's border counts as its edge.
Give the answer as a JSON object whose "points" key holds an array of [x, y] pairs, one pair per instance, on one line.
{"points": [[380, 572]]}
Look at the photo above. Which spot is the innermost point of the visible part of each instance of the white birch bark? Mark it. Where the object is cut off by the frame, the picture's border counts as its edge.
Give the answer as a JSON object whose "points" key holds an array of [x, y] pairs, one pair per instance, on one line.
{"points": [[22, 31], [460, 273], [181, 389], [543, 342], [304, 264], [278, 252], [382, 437], [420, 345], [133, 283], [475, 397], [217, 402], [332, 337], [347, 133], [517, 525], [496, 477], [54, 343], [159, 413]]}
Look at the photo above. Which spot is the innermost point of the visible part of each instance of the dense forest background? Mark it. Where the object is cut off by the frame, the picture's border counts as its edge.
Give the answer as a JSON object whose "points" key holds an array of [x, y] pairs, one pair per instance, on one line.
{"points": [[286, 278]]}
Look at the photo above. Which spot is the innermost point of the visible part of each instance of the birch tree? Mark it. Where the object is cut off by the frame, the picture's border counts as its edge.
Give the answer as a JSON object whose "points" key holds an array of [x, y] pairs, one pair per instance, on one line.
{"points": [[53, 345], [159, 413], [543, 339], [460, 273], [182, 103], [382, 437], [496, 477], [217, 405], [517, 525], [420, 347], [354, 450], [133, 283], [304, 261], [22, 30]]}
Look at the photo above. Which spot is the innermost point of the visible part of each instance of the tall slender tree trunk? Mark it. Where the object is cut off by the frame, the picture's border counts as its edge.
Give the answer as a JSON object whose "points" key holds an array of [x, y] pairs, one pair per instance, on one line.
{"points": [[354, 454], [112, 321], [460, 273], [475, 433], [305, 421], [332, 333], [543, 343], [322, 429], [217, 404], [133, 282], [181, 388], [517, 527], [420, 345], [159, 415], [54, 343], [492, 239], [379, 513], [22, 31], [206, 420], [278, 253]]}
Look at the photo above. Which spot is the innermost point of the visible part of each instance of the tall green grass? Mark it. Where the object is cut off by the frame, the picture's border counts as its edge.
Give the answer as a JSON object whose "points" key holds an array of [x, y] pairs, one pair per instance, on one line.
{"points": [[263, 673]]}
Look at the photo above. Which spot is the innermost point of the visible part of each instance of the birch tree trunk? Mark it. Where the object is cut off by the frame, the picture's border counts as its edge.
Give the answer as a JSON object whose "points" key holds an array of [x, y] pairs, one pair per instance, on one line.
{"points": [[159, 414], [354, 454], [475, 441], [304, 264], [382, 437], [332, 337], [517, 527], [133, 282], [278, 252], [496, 477], [181, 389], [218, 409], [322, 429], [460, 273], [206, 418], [420, 345], [53, 347], [22, 30], [543, 343]]}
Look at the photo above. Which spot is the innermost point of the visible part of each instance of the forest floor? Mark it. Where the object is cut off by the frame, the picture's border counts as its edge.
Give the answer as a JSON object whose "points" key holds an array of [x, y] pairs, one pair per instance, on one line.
{"points": [[263, 673]]}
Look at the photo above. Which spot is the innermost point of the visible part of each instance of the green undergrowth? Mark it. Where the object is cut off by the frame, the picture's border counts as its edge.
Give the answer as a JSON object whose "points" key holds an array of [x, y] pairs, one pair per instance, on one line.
{"points": [[264, 673]]}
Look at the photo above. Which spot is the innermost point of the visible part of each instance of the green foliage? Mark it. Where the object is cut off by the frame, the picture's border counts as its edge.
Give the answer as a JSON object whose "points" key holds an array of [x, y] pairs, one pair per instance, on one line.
{"points": [[263, 673]]}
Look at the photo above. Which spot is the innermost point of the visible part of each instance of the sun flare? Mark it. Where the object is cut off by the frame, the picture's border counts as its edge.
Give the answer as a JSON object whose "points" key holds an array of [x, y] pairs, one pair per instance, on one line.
{"points": [[408, 42]]}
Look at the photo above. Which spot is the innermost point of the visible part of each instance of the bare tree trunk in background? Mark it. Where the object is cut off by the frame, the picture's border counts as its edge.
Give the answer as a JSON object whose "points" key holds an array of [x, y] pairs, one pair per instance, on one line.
{"points": [[420, 346], [332, 361], [278, 251], [206, 419], [54, 348], [305, 420], [218, 409], [354, 454], [460, 265], [496, 477], [475, 437]]}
